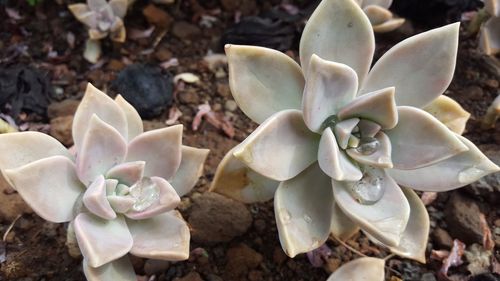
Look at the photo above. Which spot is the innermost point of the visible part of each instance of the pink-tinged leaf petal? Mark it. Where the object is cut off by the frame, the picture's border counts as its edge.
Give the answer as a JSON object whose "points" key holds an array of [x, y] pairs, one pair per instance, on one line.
{"points": [[338, 31], [83, 14], [121, 204], [263, 81], [160, 149], [365, 268], [281, 147], [127, 173], [421, 140], [237, 181], [420, 67], [134, 121], [102, 148], [449, 112], [341, 226], [95, 199], [457, 171], [343, 130], [119, 7], [303, 209], [379, 107], [190, 169], [163, 237], [493, 7], [381, 158], [98, 103], [120, 269], [19, 149], [97, 5], [111, 185], [102, 241], [50, 186], [382, 3], [389, 25], [333, 161], [386, 219], [368, 128], [377, 14], [489, 40], [329, 86], [168, 200]]}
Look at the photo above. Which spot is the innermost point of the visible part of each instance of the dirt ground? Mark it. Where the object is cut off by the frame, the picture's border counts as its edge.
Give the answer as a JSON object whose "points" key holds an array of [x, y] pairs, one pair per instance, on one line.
{"points": [[49, 39]]}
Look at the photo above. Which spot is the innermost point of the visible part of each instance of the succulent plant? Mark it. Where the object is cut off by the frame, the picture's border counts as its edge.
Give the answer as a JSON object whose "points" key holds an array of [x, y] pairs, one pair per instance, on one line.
{"points": [[339, 145], [449, 112], [380, 17], [490, 31], [119, 192], [102, 19], [492, 114]]}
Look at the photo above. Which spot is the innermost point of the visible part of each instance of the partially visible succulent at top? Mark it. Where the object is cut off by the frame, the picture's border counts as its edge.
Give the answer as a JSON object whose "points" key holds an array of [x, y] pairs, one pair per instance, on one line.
{"points": [[102, 18], [490, 31], [119, 192], [381, 19], [339, 145]]}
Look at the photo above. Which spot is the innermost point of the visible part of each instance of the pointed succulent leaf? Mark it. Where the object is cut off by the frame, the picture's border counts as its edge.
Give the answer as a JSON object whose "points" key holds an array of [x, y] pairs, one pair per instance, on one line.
{"points": [[263, 81], [381, 157], [339, 31], [160, 149], [368, 128], [449, 112], [49, 186], [333, 161], [190, 169], [101, 149], [493, 7], [267, 149], [111, 185], [163, 237], [343, 130], [121, 204], [120, 269], [420, 67], [134, 122], [98, 103], [95, 199], [127, 173], [490, 36], [167, 201], [101, 241], [83, 14], [329, 86], [457, 171], [97, 5], [365, 268], [382, 3], [386, 219], [237, 181], [378, 106], [389, 25], [118, 33], [92, 53], [19, 149], [95, 35], [377, 14], [414, 239], [119, 7], [303, 208], [421, 140], [341, 226]]}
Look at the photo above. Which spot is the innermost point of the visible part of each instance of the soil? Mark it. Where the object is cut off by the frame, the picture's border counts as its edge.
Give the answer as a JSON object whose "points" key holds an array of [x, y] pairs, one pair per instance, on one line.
{"points": [[35, 249]]}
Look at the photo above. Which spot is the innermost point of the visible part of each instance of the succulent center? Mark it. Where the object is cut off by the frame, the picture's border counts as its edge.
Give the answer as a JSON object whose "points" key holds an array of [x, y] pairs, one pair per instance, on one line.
{"points": [[145, 193]]}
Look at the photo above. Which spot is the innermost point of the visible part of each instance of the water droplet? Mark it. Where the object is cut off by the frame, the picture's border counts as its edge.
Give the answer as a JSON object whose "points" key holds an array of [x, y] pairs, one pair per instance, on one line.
{"points": [[307, 218], [145, 192], [285, 215], [370, 188], [470, 174], [368, 145]]}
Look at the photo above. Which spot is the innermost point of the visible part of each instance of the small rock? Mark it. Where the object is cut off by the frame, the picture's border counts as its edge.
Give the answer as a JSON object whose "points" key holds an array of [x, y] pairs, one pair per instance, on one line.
{"points": [[428, 277], [240, 260], [60, 128], [279, 257], [442, 238], [215, 218], [64, 108], [116, 65], [185, 30], [462, 216], [246, 7], [11, 203], [474, 93], [493, 83], [231, 105], [157, 16], [189, 97], [192, 276], [223, 90], [163, 54], [152, 267]]}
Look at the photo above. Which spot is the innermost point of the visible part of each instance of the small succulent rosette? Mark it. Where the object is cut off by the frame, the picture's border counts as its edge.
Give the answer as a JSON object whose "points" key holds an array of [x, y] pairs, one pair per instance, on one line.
{"points": [[102, 18], [381, 19], [490, 31], [119, 192], [340, 146]]}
